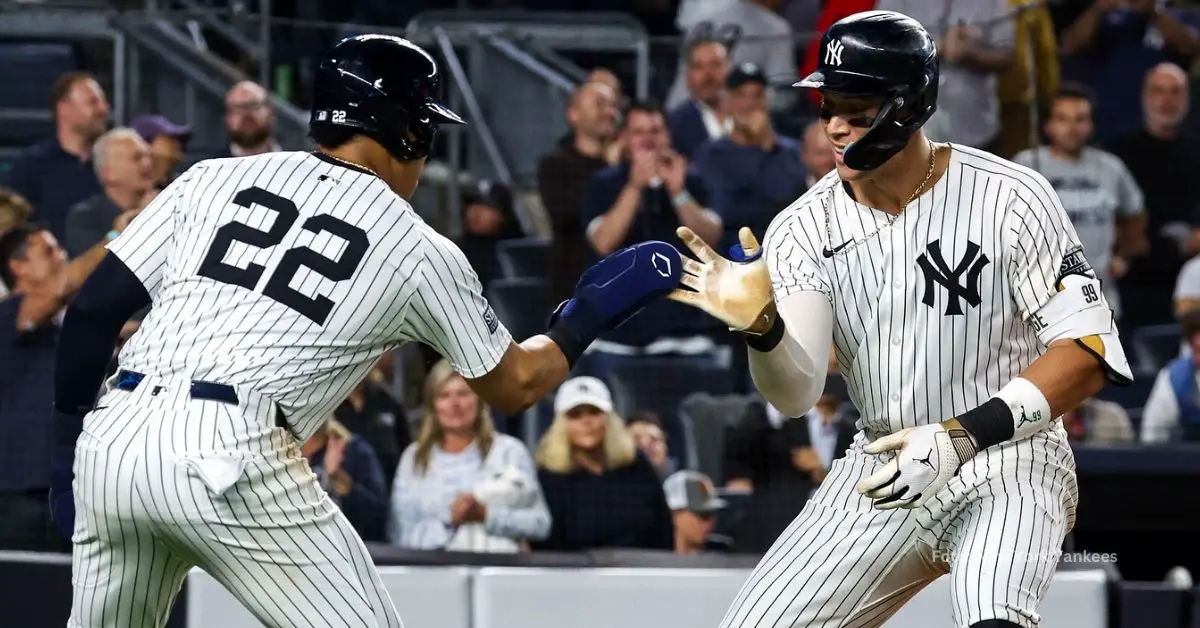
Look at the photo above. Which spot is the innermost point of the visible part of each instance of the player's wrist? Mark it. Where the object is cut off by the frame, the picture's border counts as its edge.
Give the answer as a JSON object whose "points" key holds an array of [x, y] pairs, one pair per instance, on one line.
{"points": [[989, 424], [767, 332]]}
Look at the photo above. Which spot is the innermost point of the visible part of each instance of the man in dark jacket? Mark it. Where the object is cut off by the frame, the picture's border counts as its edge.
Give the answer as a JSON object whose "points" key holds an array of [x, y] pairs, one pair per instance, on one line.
{"points": [[563, 175]]}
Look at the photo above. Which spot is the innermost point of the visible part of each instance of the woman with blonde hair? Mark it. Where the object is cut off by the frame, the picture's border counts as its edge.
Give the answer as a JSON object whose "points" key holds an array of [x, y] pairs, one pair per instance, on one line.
{"points": [[462, 485], [601, 490]]}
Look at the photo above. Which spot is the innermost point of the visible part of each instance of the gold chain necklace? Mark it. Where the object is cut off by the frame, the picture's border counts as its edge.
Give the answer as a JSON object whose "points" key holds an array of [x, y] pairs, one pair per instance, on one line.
{"points": [[850, 246], [351, 165]]}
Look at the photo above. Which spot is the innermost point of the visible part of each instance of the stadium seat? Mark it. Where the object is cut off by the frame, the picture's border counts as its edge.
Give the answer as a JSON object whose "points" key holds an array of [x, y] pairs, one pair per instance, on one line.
{"points": [[710, 417], [1155, 345], [28, 71], [659, 384], [523, 305], [524, 257]]}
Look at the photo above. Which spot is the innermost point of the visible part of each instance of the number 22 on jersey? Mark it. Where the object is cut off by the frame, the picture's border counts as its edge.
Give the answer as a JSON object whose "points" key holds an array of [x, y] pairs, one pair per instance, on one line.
{"points": [[277, 286]]}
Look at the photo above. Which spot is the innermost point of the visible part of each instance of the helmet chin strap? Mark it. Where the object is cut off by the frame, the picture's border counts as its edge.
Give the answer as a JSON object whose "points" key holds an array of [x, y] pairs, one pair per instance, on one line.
{"points": [[886, 137]]}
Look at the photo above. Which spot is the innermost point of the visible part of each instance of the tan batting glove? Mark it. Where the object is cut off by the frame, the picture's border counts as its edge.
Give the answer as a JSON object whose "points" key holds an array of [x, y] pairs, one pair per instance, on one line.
{"points": [[737, 294]]}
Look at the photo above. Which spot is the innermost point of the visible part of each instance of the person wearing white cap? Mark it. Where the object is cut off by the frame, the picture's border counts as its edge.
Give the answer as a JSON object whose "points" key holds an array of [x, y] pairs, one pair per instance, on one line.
{"points": [[602, 491], [694, 505]]}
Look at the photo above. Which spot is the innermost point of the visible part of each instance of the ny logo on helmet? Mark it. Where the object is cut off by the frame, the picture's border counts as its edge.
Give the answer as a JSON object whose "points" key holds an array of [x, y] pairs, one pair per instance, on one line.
{"points": [[833, 53]]}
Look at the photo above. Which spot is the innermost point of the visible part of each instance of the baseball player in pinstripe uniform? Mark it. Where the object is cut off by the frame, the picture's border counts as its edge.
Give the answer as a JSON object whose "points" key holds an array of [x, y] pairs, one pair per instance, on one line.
{"points": [[276, 282], [965, 319]]}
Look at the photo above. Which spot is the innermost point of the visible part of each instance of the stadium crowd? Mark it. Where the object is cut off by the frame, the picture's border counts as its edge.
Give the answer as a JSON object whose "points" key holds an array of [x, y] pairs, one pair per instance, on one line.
{"points": [[1098, 103]]}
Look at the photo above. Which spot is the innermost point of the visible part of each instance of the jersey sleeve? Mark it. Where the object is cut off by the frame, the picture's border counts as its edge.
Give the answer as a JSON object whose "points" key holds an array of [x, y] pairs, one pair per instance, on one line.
{"points": [[789, 251], [450, 313], [1041, 245], [146, 244]]}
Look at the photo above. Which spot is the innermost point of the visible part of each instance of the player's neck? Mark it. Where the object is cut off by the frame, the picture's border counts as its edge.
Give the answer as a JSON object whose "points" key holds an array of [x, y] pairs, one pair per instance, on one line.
{"points": [[891, 187]]}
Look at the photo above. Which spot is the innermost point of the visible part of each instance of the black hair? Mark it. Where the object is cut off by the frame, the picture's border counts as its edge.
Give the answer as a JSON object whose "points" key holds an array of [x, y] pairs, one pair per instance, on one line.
{"points": [[14, 244]]}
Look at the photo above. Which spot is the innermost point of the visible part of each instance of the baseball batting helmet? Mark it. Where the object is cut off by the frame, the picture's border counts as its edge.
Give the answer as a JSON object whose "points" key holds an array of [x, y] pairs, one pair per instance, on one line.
{"points": [[385, 87], [880, 53]]}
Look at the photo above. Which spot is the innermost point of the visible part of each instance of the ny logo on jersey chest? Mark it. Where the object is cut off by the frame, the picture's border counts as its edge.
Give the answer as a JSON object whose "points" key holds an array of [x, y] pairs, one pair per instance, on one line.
{"points": [[937, 272]]}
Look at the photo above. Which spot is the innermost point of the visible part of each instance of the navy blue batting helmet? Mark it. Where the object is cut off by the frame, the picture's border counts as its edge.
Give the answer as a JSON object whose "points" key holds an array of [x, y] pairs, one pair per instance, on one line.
{"points": [[384, 87], [880, 53]]}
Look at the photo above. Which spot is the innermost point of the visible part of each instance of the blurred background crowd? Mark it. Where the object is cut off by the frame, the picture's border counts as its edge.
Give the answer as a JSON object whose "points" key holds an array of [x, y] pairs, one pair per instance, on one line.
{"points": [[594, 124]]}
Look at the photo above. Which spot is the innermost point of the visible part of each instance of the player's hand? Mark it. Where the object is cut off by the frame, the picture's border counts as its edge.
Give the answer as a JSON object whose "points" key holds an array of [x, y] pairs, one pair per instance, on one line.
{"points": [[616, 288], [735, 293], [926, 459]]}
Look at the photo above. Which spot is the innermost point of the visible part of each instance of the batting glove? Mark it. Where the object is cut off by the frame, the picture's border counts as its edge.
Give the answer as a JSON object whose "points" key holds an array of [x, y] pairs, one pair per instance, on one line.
{"points": [[928, 457], [738, 292]]}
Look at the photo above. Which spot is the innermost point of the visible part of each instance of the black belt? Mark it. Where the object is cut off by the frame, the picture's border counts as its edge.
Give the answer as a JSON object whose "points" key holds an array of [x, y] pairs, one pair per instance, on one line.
{"points": [[207, 391]]}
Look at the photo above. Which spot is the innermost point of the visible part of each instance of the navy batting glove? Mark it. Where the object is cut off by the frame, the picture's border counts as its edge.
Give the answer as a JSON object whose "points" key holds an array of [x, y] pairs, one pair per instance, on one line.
{"points": [[66, 427], [738, 254], [612, 291]]}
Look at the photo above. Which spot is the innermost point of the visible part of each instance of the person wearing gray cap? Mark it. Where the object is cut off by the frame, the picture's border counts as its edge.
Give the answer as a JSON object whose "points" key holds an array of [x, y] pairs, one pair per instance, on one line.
{"points": [[167, 142], [694, 505]]}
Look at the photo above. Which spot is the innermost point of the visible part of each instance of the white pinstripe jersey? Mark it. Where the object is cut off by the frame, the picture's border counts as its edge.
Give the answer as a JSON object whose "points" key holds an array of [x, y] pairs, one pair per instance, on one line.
{"points": [[934, 314], [290, 274]]}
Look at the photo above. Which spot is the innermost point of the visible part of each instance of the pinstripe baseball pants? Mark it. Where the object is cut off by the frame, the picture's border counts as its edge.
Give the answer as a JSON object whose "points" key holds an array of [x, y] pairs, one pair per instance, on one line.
{"points": [[164, 482], [997, 529]]}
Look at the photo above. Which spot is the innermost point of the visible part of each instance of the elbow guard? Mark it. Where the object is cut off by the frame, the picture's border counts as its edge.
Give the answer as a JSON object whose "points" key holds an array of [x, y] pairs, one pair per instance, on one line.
{"points": [[1079, 312]]}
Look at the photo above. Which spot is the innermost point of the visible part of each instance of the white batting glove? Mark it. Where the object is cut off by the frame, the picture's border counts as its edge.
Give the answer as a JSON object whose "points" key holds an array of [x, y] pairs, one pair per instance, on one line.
{"points": [[928, 458]]}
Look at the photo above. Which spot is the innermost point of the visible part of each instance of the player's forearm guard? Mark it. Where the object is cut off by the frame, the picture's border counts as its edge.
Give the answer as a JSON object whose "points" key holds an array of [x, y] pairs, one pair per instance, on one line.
{"points": [[1079, 312]]}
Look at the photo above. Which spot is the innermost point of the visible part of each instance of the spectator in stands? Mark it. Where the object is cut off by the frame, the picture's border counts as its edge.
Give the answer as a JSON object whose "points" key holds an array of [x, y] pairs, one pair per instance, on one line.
{"points": [[1033, 79], [1098, 422], [457, 450], [781, 460], [249, 121], [1172, 411], [563, 175], [488, 218], [126, 171], [167, 142], [348, 470], [754, 173], [1164, 162], [764, 39], [816, 153], [601, 490], [370, 412], [34, 269], [56, 173], [1118, 42], [1102, 200], [605, 76], [702, 117], [694, 506], [975, 44], [647, 431], [1187, 287], [14, 209], [647, 197]]}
